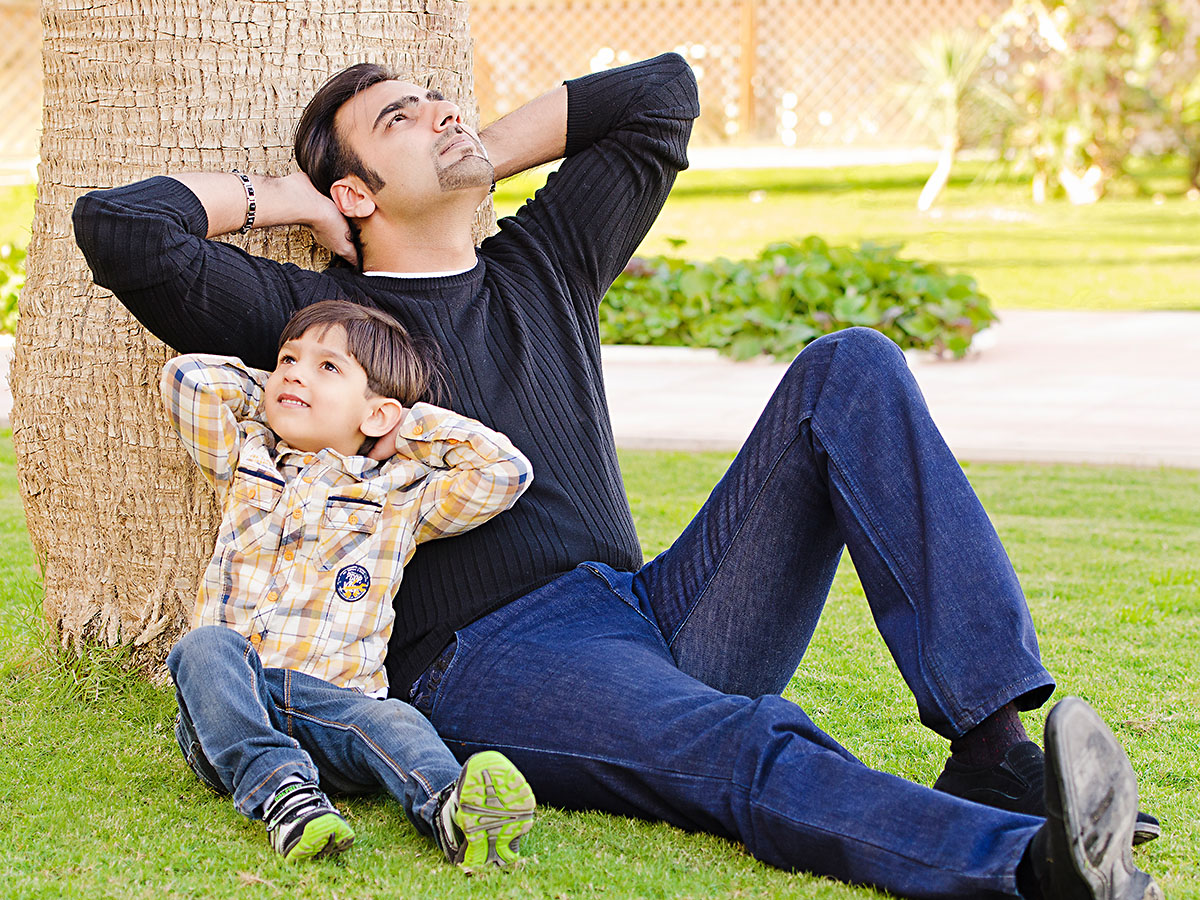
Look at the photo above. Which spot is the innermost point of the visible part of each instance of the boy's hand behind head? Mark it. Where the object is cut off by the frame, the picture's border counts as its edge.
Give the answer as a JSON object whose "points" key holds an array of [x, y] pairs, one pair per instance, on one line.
{"points": [[385, 447]]}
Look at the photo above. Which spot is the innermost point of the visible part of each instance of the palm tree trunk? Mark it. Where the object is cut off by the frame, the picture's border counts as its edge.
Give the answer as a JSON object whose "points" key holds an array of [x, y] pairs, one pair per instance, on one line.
{"points": [[940, 176], [121, 524]]}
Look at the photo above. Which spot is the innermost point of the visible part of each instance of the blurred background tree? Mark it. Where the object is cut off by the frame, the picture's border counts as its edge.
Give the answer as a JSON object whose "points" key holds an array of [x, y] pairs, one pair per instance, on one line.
{"points": [[1097, 84], [948, 91]]}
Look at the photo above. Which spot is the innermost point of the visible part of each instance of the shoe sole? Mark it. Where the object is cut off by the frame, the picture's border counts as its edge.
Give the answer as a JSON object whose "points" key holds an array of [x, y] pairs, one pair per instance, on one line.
{"points": [[495, 810], [1099, 798], [325, 836], [1144, 832]]}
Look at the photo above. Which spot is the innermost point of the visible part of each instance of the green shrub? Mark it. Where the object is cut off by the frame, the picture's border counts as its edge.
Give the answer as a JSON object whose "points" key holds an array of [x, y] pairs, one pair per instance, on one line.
{"points": [[12, 278], [791, 294]]}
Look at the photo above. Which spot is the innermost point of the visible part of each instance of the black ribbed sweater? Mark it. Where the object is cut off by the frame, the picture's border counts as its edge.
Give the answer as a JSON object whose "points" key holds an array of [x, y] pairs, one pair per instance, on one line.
{"points": [[518, 332]]}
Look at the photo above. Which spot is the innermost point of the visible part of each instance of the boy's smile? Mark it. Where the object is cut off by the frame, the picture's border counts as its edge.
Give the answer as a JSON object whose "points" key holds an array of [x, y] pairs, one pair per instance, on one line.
{"points": [[317, 397]]}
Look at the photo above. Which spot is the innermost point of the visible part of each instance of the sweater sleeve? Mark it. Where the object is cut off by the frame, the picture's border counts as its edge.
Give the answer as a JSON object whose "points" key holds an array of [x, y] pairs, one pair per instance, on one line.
{"points": [[627, 135], [146, 243]]}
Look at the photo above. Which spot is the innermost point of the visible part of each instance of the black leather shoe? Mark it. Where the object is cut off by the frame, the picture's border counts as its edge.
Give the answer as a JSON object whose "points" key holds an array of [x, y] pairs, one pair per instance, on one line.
{"points": [[1016, 784], [1082, 852]]}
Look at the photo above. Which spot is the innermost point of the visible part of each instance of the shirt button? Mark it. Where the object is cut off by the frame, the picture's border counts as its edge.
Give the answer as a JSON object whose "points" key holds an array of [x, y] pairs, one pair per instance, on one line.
{"points": [[273, 596], [309, 479], [289, 555], [297, 513], [354, 520], [256, 639], [252, 493], [417, 429], [308, 460]]}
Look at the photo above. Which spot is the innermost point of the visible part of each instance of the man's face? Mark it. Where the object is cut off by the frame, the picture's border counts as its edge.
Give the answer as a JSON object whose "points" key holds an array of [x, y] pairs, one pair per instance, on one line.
{"points": [[416, 142], [317, 396]]}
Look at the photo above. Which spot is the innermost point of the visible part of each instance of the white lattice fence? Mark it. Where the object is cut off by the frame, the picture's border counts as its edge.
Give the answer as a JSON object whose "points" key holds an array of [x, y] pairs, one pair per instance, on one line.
{"points": [[20, 82], [809, 73], [797, 72], [827, 72]]}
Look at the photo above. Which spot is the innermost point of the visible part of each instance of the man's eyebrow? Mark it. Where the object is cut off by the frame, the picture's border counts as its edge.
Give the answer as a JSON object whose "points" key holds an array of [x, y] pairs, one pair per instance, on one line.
{"points": [[404, 103]]}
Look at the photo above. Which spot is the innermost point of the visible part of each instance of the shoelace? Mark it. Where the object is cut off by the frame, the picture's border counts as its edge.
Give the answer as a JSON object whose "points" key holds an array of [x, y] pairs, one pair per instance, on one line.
{"points": [[298, 800]]}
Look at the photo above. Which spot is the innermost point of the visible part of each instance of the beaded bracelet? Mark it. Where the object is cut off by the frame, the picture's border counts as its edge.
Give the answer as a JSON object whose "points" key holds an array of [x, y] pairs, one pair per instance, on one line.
{"points": [[251, 203]]}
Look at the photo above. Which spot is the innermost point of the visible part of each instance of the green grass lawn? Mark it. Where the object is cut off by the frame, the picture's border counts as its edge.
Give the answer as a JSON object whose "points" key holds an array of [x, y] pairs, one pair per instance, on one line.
{"points": [[1126, 252], [95, 801], [16, 213]]}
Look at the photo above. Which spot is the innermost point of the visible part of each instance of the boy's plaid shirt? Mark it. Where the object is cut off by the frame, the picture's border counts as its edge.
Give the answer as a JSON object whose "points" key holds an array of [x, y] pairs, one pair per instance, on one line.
{"points": [[312, 546]]}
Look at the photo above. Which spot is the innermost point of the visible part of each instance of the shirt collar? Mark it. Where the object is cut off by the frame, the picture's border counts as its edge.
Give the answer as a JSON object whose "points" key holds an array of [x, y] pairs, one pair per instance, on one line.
{"points": [[360, 467]]}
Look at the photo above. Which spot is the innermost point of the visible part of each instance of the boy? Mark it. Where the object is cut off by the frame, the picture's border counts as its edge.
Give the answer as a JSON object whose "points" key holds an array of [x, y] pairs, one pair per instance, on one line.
{"points": [[281, 680]]}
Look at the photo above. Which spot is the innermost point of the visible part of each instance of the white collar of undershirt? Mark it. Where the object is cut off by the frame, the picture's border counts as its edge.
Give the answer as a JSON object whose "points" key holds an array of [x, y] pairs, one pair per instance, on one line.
{"points": [[420, 274]]}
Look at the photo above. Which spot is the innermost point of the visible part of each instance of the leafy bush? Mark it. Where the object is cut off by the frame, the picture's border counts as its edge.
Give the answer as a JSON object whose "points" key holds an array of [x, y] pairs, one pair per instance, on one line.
{"points": [[12, 278], [791, 294]]}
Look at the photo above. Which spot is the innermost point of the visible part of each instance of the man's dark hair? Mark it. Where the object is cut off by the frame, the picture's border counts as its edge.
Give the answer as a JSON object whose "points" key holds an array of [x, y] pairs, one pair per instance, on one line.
{"points": [[398, 365], [321, 152]]}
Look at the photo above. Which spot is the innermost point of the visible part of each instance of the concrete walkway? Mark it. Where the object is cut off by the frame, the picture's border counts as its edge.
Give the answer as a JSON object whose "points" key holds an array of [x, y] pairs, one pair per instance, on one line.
{"points": [[1045, 386], [1087, 387]]}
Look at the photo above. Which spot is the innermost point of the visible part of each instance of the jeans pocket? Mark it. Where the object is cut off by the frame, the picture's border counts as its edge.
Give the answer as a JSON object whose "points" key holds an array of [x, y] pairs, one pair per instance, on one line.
{"points": [[185, 736], [424, 694]]}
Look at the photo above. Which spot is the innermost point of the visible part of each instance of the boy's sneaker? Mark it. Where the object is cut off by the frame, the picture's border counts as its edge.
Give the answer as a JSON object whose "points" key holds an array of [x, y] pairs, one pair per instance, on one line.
{"points": [[302, 824], [482, 817], [1017, 784]]}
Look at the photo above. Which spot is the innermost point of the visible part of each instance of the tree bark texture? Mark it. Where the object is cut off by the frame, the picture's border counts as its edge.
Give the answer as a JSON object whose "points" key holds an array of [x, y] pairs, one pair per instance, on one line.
{"points": [[121, 522]]}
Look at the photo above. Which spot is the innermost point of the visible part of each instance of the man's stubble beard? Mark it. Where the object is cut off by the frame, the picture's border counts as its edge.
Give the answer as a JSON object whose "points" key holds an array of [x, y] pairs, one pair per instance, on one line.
{"points": [[468, 172]]}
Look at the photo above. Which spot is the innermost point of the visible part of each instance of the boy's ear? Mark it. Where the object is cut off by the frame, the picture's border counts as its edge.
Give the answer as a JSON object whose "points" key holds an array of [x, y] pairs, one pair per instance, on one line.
{"points": [[352, 198], [382, 416]]}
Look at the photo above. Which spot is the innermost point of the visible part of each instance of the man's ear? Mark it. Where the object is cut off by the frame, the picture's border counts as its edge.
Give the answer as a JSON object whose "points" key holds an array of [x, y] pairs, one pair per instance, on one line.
{"points": [[352, 198], [383, 414]]}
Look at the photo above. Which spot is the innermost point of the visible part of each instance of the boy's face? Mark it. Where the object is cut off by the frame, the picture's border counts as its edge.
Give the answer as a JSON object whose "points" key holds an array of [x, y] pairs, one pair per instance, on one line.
{"points": [[317, 397]]}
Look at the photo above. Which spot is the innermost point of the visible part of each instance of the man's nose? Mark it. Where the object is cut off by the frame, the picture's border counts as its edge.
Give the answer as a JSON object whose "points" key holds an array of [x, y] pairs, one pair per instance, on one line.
{"points": [[446, 114]]}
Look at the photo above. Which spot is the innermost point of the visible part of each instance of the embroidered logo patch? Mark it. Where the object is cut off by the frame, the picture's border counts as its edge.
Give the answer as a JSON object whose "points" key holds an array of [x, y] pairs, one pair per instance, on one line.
{"points": [[352, 583]]}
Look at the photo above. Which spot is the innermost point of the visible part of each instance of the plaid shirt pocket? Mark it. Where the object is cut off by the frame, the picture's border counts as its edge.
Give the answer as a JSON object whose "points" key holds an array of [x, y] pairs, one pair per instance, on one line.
{"points": [[347, 526], [255, 495]]}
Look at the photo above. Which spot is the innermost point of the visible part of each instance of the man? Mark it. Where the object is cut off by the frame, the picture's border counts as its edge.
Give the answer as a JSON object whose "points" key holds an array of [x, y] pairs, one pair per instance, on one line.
{"points": [[650, 690]]}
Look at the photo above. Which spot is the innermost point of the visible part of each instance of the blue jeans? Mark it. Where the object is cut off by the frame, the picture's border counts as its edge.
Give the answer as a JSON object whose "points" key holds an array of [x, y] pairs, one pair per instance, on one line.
{"points": [[655, 693], [244, 729]]}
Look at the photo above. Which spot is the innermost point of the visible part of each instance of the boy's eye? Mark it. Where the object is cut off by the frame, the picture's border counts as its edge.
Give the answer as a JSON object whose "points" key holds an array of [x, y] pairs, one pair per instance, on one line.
{"points": [[286, 358], [329, 367]]}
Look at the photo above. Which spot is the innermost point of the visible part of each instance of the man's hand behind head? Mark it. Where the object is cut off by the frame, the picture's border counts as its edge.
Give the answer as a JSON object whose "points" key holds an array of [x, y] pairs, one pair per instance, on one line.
{"points": [[328, 225]]}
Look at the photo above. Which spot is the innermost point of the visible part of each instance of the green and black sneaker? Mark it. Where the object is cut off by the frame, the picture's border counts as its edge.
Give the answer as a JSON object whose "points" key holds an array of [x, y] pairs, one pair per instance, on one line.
{"points": [[482, 817], [302, 823]]}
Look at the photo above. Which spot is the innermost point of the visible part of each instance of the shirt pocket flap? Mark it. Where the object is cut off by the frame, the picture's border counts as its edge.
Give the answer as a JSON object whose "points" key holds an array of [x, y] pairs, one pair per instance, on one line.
{"points": [[348, 514], [257, 489]]}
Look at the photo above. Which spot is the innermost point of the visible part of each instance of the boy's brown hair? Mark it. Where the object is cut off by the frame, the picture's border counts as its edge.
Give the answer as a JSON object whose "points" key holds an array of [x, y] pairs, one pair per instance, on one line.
{"points": [[398, 365]]}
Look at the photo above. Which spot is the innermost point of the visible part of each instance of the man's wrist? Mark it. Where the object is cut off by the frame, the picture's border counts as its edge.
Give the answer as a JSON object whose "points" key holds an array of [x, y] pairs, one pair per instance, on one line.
{"points": [[529, 136], [251, 202], [285, 200]]}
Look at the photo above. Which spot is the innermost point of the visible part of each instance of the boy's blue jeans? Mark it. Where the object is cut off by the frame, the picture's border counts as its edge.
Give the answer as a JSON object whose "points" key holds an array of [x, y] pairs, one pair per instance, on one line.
{"points": [[244, 729], [655, 693]]}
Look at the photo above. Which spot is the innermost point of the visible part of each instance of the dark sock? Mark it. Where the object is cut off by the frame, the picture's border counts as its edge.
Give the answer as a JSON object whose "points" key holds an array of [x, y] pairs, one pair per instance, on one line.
{"points": [[987, 742]]}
